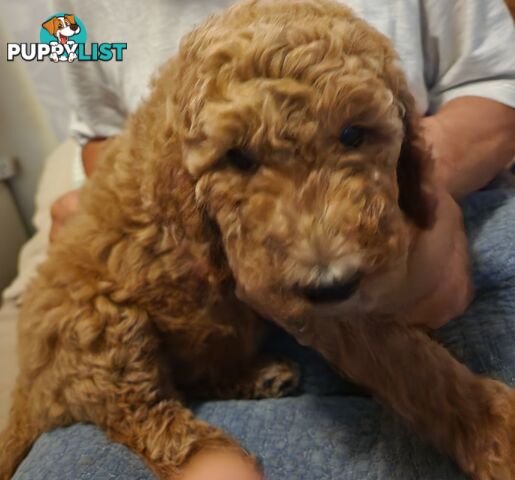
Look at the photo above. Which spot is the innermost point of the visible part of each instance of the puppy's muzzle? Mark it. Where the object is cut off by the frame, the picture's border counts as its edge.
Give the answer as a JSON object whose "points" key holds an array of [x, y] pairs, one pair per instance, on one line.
{"points": [[74, 27], [334, 292]]}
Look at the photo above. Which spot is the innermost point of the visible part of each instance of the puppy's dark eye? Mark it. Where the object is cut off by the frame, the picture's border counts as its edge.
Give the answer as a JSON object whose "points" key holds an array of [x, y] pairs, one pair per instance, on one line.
{"points": [[242, 160], [352, 136]]}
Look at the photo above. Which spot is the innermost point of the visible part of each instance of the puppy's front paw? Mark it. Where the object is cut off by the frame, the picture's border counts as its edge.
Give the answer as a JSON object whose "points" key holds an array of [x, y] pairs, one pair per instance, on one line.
{"points": [[276, 378], [494, 457], [267, 377]]}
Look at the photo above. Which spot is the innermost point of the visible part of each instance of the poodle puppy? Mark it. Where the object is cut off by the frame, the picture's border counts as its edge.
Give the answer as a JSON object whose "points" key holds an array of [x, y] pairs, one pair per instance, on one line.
{"points": [[272, 169]]}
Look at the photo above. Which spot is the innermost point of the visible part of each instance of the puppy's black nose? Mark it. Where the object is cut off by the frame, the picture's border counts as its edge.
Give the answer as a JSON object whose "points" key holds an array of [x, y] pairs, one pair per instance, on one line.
{"points": [[334, 292], [74, 26]]}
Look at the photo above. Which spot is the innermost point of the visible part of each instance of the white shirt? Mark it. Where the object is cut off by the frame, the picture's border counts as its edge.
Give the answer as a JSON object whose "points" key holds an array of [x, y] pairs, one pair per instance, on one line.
{"points": [[449, 48]]}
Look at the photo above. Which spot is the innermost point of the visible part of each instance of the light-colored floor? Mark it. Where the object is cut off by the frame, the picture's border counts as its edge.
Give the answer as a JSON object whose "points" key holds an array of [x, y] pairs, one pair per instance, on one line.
{"points": [[8, 362]]}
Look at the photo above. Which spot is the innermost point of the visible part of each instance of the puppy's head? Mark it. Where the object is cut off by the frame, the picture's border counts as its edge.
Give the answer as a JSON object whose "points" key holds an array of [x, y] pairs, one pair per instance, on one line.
{"points": [[298, 129], [62, 26]]}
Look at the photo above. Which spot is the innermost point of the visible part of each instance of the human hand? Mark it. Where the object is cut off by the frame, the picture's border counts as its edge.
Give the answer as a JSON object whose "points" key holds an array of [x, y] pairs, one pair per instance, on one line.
{"points": [[438, 270], [62, 210], [67, 205]]}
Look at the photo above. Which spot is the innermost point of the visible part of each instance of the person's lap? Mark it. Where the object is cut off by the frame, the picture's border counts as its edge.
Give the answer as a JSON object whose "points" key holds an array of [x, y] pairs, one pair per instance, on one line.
{"points": [[333, 430]]}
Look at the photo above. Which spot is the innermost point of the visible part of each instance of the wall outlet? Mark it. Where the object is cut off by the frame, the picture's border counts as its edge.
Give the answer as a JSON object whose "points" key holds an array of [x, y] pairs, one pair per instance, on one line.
{"points": [[7, 167]]}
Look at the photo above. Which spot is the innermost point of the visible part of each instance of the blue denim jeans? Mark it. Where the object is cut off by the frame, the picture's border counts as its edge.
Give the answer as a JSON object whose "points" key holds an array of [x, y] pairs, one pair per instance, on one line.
{"points": [[331, 429]]}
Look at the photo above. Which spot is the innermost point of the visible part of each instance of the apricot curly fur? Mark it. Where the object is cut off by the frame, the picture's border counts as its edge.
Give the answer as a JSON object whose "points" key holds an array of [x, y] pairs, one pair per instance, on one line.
{"points": [[150, 293]]}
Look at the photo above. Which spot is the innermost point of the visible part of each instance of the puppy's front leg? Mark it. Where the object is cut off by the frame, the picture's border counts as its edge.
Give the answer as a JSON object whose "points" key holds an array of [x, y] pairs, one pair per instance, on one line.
{"points": [[168, 437], [467, 416], [139, 405]]}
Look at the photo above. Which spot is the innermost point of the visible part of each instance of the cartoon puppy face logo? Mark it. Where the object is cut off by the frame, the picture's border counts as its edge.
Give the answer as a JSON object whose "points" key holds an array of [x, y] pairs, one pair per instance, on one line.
{"points": [[62, 28]]}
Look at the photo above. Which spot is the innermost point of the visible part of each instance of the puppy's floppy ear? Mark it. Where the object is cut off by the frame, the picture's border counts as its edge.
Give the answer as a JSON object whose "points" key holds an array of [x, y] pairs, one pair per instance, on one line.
{"points": [[201, 155], [414, 172], [70, 18], [217, 128], [51, 25], [197, 242]]}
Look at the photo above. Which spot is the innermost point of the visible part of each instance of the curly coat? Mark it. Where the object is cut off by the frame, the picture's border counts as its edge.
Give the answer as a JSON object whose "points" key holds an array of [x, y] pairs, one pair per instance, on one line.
{"points": [[139, 304]]}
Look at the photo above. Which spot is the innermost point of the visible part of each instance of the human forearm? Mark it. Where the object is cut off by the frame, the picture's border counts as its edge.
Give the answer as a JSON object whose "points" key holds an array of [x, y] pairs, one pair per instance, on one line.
{"points": [[90, 153], [66, 205], [472, 140]]}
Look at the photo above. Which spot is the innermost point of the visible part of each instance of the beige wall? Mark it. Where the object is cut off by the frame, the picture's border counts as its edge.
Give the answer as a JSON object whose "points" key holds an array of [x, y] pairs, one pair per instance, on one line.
{"points": [[22, 20], [25, 132], [12, 236]]}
